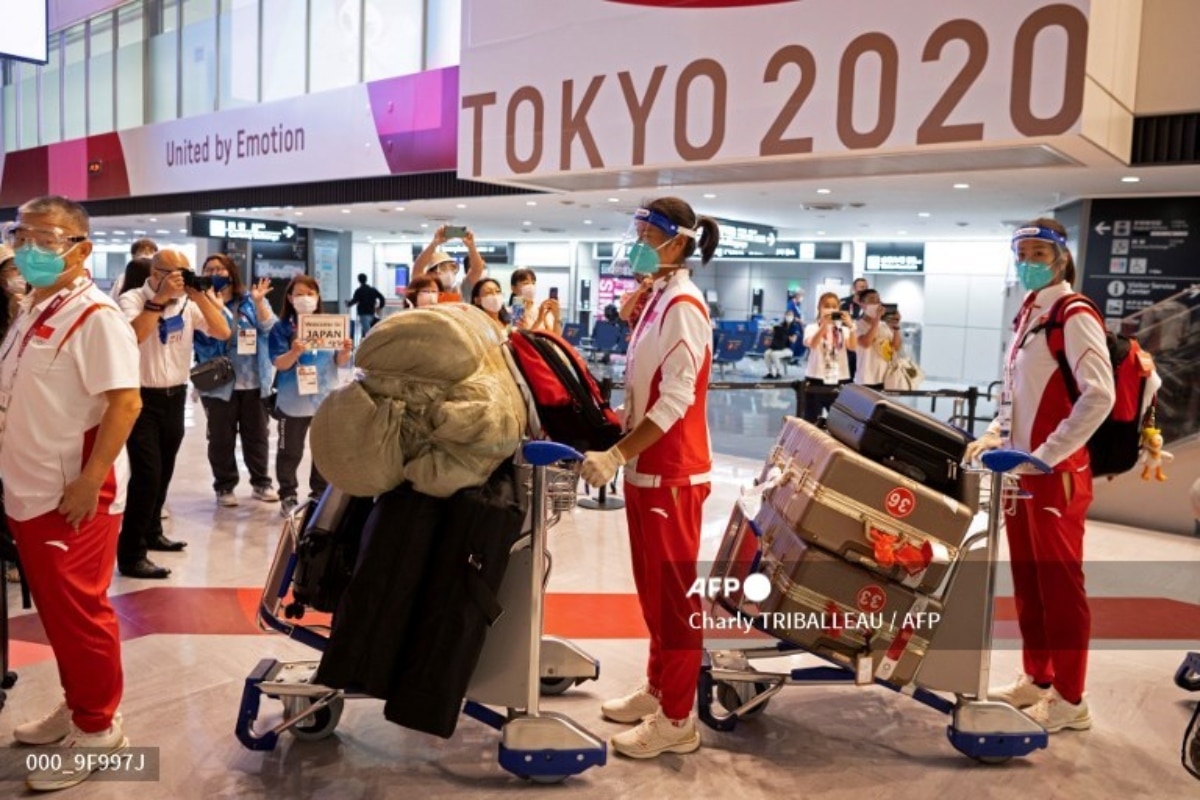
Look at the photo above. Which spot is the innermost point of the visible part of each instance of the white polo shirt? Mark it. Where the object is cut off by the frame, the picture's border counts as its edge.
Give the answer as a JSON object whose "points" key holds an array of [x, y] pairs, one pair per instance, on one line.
{"points": [[56, 384], [165, 364]]}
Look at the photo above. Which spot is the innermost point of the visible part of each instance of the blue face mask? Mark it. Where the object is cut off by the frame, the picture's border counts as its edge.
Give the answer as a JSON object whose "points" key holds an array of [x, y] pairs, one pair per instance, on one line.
{"points": [[219, 283], [1035, 276], [643, 259], [40, 268]]}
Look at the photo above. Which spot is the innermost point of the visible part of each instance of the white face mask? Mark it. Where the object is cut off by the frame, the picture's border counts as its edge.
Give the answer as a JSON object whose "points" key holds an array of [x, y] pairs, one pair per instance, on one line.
{"points": [[15, 285], [527, 291], [304, 304], [492, 303]]}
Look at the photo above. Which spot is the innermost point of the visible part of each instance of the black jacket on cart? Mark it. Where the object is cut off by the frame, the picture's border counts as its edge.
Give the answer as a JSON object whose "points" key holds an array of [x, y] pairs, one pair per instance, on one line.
{"points": [[412, 622]]}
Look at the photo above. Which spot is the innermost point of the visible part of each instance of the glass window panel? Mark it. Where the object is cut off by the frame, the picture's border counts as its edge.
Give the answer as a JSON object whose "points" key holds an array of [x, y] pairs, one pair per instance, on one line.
{"points": [[393, 37], [164, 65], [75, 83], [445, 29], [333, 44], [239, 53], [199, 57], [8, 68], [283, 51], [29, 106], [51, 94], [131, 86], [100, 75]]}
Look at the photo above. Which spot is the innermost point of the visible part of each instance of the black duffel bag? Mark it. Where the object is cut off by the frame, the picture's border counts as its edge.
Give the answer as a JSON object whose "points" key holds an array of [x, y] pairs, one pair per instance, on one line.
{"points": [[212, 374]]}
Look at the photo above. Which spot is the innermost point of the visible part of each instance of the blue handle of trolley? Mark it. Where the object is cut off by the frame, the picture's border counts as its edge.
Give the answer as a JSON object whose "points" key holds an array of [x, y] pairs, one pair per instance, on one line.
{"points": [[543, 453], [1008, 460]]}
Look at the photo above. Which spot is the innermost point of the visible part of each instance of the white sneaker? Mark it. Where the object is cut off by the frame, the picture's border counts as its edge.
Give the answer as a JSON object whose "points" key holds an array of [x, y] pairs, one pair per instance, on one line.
{"points": [[632, 707], [72, 771], [657, 735], [1055, 714], [1022, 693], [49, 729], [287, 507], [227, 499], [265, 494]]}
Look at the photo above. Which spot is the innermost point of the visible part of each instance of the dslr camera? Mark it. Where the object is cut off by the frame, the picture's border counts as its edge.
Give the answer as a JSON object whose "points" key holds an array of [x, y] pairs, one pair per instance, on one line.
{"points": [[200, 283]]}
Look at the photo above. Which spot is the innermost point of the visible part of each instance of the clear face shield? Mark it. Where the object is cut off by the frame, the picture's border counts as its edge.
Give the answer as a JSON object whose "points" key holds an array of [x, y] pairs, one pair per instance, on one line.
{"points": [[637, 251], [1038, 255]]}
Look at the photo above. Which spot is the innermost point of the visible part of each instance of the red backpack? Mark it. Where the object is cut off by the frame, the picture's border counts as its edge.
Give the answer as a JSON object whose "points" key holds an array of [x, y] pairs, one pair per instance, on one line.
{"points": [[1114, 447], [569, 404]]}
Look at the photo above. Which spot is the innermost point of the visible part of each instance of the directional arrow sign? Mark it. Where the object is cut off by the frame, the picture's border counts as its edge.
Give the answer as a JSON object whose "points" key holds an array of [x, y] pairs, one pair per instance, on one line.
{"points": [[1103, 228], [289, 232]]}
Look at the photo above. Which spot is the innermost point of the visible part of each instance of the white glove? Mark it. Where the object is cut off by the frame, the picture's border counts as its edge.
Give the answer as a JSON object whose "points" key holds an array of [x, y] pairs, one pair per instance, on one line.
{"points": [[599, 468], [989, 441]]}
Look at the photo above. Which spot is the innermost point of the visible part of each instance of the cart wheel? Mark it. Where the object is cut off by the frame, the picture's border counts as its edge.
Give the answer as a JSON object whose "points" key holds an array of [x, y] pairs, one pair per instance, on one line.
{"points": [[993, 760], [320, 724], [733, 696], [546, 780], [9, 680], [553, 686]]}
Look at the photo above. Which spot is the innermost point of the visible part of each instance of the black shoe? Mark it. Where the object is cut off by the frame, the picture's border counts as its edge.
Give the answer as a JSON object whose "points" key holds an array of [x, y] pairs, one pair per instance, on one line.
{"points": [[145, 568], [165, 545]]}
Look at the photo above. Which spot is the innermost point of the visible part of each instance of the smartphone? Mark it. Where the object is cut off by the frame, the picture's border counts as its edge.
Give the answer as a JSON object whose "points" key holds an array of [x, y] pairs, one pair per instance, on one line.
{"points": [[456, 231], [553, 292]]}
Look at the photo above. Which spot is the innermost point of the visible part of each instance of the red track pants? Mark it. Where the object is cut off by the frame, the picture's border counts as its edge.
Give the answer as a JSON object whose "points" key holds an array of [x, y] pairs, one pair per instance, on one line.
{"points": [[1045, 537], [664, 538], [69, 573]]}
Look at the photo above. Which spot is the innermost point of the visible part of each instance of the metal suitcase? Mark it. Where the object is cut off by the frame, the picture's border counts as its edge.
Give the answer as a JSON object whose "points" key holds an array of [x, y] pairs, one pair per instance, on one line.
{"points": [[840, 611], [832, 497], [923, 448]]}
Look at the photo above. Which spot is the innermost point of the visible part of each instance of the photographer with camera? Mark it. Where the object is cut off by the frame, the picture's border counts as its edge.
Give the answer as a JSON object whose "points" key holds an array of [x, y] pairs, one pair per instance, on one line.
{"points": [[829, 340], [165, 314]]}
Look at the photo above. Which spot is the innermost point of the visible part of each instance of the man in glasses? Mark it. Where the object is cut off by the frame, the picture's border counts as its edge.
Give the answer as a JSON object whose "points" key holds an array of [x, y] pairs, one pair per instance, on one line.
{"points": [[165, 313], [443, 267], [68, 400]]}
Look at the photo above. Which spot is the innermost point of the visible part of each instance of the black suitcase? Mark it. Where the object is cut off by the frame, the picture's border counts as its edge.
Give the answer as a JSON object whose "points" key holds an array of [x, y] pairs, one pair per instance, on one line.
{"points": [[327, 549], [914, 444]]}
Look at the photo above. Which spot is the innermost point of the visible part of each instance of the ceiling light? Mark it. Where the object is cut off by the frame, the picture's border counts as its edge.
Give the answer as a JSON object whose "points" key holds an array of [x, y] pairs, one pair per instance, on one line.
{"points": [[345, 211], [962, 186], [183, 230], [923, 214], [1131, 179], [902, 233], [526, 222], [461, 205], [399, 208], [99, 233], [614, 200], [587, 222], [139, 233], [820, 233], [709, 196], [118, 233], [163, 233], [424, 224], [154, 219], [299, 213], [823, 191], [531, 202]]}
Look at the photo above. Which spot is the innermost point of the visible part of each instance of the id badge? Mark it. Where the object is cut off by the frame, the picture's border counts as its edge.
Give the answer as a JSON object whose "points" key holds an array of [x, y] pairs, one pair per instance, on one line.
{"points": [[832, 374], [247, 343], [306, 379], [170, 330]]}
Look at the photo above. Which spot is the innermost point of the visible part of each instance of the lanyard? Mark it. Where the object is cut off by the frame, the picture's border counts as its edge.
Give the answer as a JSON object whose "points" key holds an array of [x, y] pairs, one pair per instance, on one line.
{"points": [[1007, 390]]}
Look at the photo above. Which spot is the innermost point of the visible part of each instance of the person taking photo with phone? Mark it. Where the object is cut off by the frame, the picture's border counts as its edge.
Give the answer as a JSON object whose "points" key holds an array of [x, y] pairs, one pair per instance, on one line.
{"points": [[444, 268], [829, 340]]}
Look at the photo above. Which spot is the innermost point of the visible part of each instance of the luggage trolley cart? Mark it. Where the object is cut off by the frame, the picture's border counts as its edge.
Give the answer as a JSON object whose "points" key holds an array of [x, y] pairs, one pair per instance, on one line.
{"points": [[986, 730], [518, 663]]}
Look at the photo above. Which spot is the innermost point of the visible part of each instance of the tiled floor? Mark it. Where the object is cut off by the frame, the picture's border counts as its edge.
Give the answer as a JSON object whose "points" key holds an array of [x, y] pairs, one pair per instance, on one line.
{"points": [[190, 641]]}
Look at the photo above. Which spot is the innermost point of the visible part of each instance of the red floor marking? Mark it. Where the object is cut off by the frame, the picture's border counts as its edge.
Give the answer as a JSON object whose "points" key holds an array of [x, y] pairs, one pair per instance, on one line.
{"points": [[573, 615]]}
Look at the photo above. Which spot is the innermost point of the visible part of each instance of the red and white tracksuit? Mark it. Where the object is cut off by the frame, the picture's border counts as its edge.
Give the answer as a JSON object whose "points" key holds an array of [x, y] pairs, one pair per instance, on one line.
{"points": [[670, 358], [1045, 531], [56, 364]]}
